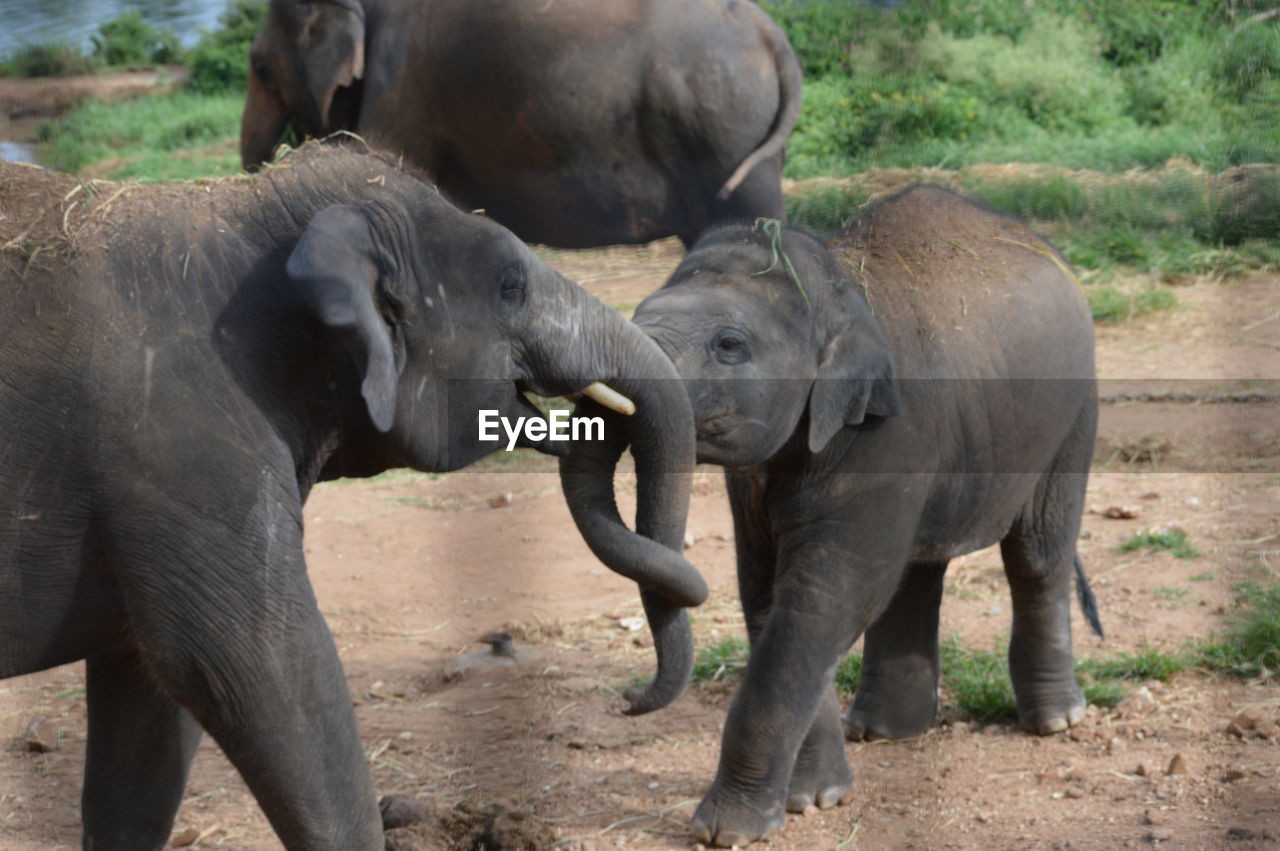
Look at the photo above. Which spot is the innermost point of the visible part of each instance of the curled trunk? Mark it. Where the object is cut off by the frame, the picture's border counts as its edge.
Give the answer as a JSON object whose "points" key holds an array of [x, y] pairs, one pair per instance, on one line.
{"points": [[661, 436]]}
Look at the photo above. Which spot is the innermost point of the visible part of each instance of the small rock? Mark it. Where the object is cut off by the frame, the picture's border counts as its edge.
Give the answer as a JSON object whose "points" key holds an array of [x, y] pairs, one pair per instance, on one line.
{"points": [[689, 538], [502, 500], [994, 610], [1085, 534], [1193, 501], [1154, 817], [632, 624], [1122, 512], [1143, 770], [40, 735], [1116, 745], [1075, 792], [1241, 833], [1232, 776], [185, 838], [1160, 834], [1140, 702], [1177, 765], [643, 640], [810, 810], [1267, 729], [1150, 495]]}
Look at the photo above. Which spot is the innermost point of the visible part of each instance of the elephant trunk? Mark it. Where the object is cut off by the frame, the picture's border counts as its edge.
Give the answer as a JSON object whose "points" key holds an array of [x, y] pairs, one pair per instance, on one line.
{"points": [[662, 440], [262, 124]]}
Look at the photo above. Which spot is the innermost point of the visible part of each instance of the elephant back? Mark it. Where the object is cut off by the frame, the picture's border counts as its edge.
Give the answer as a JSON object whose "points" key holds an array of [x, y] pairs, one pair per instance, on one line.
{"points": [[965, 292]]}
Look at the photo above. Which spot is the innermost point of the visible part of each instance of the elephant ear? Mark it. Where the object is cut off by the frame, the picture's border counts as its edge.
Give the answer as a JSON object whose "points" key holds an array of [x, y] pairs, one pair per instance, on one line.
{"points": [[856, 377], [332, 51], [334, 268]]}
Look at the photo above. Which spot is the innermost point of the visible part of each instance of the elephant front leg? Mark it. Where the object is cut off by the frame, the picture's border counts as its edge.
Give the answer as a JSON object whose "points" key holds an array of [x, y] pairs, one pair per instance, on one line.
{"points": [[239, 641], [821, 774], [898, 694], [815, 616], [139, 752]]}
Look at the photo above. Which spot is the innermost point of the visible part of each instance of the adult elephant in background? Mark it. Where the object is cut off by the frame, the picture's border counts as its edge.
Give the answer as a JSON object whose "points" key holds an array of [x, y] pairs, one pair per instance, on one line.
{"points": [[573, 122], [919, 388], [179, 364]]}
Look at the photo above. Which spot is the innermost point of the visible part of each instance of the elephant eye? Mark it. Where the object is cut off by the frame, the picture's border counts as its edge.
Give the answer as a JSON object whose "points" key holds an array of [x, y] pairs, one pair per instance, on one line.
{"points": [[730, 347], [513, 281]]}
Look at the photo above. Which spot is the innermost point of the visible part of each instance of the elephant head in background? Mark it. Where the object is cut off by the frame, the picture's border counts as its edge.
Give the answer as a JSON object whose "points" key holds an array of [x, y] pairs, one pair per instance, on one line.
{"points": [[574, 123], [180, 365]]}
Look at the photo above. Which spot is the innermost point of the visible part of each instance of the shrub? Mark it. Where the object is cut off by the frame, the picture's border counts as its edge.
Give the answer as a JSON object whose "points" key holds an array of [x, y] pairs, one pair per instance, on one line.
{"points": [[220, 60], [129, 39], [1249, 59], [50, 59]]}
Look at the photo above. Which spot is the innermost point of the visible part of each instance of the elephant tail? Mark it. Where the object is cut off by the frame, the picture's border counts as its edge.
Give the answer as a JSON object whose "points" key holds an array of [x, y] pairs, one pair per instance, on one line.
{"points": [[790, 84], [1088, 603]]}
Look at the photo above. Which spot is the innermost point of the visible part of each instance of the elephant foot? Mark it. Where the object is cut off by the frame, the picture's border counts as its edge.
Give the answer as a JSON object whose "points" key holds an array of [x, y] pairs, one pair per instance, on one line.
{"points": [[726, 821], [868, 720], [820, 785], [1048, 718]]}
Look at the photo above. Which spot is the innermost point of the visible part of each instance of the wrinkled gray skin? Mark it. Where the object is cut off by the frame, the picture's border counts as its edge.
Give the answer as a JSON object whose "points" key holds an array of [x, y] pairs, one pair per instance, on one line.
{"points": [[573, 122], [866, 444], [175, 376]]}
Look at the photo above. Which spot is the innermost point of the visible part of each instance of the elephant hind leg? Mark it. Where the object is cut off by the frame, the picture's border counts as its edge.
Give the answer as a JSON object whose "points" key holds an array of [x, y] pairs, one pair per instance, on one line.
{"points": [[897, 696], [1040, 562], [139, 752]]}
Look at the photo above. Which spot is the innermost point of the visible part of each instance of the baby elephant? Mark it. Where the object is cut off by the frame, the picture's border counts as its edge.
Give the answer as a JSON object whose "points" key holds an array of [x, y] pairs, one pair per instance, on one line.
{"points": [[919, 388]]}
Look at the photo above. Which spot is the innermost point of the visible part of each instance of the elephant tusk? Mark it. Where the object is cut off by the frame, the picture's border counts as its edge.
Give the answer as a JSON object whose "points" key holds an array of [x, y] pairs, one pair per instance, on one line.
{"points": [[610, 398]]}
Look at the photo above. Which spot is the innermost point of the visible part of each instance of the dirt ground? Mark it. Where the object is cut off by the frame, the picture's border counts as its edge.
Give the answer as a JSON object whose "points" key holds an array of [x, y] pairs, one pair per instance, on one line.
{"points": [[413, 571]]}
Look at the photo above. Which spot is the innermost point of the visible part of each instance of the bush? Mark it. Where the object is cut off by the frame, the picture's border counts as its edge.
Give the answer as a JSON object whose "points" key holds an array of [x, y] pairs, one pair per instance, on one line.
{"points": [[130, 40], [50, 59], [1249, 59], [220, 60]]}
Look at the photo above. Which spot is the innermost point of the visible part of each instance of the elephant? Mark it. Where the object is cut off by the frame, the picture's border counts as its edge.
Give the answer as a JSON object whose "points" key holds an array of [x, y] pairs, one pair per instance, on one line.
{"points": [[919, 387], [179, 365], [575, 123]]}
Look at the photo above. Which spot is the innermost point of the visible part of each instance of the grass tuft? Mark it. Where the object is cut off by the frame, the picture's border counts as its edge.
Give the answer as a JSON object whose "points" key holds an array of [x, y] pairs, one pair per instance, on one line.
{"points": [[723, 661], [1169, 540], [1251, 647]]}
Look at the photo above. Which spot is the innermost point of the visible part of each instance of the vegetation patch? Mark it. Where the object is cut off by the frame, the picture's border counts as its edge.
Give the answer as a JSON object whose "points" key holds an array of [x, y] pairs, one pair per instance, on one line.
{"points": [[1251, 645], [1161, 540]]}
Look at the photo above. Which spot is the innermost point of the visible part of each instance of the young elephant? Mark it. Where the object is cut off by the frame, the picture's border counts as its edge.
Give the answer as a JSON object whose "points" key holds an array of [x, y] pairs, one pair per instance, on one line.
{"points": [[178, 366], [918, 389]]}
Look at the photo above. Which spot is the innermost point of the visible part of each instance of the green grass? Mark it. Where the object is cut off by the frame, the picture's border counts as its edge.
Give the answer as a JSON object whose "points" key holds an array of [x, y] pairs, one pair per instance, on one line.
{"points": [[977, 681], [723, 661], [1110, 304], [1172, 541], [1147, 664], [171, 137], [1251, 645]]}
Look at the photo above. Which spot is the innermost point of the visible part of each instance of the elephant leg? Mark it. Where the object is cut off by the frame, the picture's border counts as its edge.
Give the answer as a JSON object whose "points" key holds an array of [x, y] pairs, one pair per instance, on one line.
{"points": [[821, 774], [228, 627], [1039, 554], [815, 616], [139, 752], [898, 694]]}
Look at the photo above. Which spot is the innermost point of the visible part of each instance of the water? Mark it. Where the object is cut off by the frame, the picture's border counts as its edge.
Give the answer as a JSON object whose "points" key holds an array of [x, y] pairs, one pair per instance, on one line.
{"points": [[18, 152], [34, 21]]}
